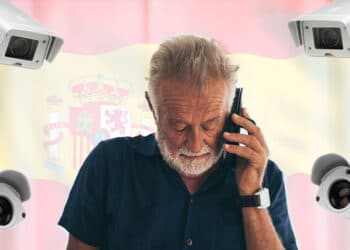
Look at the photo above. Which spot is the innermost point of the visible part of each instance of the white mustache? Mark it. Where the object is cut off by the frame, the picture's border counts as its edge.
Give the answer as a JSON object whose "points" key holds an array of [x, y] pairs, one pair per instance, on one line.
{"points": [[186, 152]]}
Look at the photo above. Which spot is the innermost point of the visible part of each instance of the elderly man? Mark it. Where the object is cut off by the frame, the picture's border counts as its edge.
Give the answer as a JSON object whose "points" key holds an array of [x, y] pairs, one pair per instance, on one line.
{"points": [[177, 189]]}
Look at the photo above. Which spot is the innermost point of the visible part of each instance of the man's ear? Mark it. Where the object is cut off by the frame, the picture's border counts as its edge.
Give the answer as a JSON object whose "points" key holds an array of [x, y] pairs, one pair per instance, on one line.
{"points": [[150, 105]]}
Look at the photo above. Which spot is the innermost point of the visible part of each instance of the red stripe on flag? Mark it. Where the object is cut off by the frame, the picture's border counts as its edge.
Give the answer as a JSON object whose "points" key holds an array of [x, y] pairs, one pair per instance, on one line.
{"points": [[91, 26], [313, 226]]}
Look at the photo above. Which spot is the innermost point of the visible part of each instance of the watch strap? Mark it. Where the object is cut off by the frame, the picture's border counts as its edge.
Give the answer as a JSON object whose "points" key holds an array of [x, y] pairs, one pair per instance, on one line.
{"points": [[261, 199], [249, 201]]}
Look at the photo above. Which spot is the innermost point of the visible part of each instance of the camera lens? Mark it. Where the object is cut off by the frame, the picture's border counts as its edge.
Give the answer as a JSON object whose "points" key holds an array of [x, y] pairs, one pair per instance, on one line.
{"points": [[21, 48], [6, 211], [339, 194], [327, 38]]}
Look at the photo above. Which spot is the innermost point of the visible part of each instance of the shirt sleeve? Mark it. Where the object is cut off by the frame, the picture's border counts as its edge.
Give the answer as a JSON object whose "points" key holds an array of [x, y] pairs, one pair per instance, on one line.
{"points": [[84, 214], [278, 208]]}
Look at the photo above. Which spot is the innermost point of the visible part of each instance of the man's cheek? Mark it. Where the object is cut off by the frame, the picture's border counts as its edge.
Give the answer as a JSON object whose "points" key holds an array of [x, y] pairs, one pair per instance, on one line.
{"points": [[175, 141], [219, 143]]}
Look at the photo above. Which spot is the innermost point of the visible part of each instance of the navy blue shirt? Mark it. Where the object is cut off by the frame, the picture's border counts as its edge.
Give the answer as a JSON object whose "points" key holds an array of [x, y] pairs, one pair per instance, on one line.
{"points": [[126, 197]]}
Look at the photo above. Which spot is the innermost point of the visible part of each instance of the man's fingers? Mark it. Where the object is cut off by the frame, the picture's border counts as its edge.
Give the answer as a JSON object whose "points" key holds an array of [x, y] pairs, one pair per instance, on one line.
{"points": [[247, 140], [252, 129], [244, 152], [249, 156]]}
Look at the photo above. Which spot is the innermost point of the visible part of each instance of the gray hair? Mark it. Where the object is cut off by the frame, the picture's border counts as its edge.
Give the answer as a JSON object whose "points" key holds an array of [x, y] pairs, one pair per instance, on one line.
{"points": [[192, 62]]}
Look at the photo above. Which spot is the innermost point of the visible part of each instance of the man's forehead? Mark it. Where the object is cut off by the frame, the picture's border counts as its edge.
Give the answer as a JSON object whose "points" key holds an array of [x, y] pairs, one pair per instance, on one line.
{"points": [[176, 99], [170, 91], [184, 106], [183, 112], [184, 87]]}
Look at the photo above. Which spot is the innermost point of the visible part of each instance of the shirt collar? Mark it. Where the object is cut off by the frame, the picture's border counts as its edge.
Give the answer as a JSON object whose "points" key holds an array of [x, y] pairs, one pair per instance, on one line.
{"points": [[148, 146]]}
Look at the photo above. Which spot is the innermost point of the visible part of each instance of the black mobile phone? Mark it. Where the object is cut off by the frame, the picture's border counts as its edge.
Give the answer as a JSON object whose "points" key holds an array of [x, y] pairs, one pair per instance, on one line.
{"points": [[236, 108], [230, 126]]}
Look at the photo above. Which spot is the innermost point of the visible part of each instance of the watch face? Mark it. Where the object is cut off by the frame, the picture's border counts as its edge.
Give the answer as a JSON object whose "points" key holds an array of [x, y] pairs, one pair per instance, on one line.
{"points": [[264, 198]]}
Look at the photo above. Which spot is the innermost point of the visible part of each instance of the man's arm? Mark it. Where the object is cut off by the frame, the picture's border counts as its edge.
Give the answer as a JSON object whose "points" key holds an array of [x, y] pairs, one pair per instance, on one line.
{"points": [[250, 166], [259, 231], [75, 244]]}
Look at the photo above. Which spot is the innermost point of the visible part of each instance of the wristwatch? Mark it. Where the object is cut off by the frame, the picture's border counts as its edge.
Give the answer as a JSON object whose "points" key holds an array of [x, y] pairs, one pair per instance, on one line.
{"points": [[260, 199]]}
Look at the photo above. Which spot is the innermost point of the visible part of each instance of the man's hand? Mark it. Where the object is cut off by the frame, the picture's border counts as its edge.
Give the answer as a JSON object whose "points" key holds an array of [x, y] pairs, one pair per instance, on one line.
{"points": [[252, 160]]}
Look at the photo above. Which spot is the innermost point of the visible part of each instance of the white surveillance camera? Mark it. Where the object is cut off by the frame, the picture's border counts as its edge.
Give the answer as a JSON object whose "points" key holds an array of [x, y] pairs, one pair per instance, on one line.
{"points": [[24, 42], [332, 173], [14, 189], [324, 32]]}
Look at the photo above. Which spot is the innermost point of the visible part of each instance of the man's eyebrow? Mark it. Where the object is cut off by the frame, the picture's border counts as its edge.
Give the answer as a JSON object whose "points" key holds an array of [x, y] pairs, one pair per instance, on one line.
{"points": [[212, 119], [183, 121], [177, 120]]}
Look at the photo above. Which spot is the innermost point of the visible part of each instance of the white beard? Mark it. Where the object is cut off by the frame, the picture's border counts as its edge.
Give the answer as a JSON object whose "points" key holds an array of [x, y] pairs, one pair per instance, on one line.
{"points": [[184, 165]]}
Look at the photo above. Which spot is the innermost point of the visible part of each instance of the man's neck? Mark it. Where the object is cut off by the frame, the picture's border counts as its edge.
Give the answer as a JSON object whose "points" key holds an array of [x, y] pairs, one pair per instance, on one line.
{"points": [[194, 183]]}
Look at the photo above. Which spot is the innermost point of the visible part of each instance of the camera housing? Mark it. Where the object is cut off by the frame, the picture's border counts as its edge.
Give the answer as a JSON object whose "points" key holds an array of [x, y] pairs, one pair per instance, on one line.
{"points": [[24, 42], [324, 32], [11, 208], [14, 190], [332, 173]]}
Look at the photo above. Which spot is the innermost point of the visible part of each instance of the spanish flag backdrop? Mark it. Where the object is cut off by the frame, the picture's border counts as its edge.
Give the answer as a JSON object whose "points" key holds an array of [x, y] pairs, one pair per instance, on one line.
{"points": [[51, 118]]}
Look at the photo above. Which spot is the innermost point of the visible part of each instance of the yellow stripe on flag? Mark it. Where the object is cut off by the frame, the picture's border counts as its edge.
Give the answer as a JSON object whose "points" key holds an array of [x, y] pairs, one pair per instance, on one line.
{"points": [[289, 99]]}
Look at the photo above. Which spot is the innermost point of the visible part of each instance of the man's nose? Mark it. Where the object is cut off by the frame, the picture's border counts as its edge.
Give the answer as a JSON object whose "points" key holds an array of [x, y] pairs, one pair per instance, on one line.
{"points": [[196, 141]]}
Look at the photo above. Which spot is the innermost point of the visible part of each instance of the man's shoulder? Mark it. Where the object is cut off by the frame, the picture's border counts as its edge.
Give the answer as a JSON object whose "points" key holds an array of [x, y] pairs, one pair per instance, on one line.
{"points": [[273, 169], [121, 155], [273, 175], [142, 145]]}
